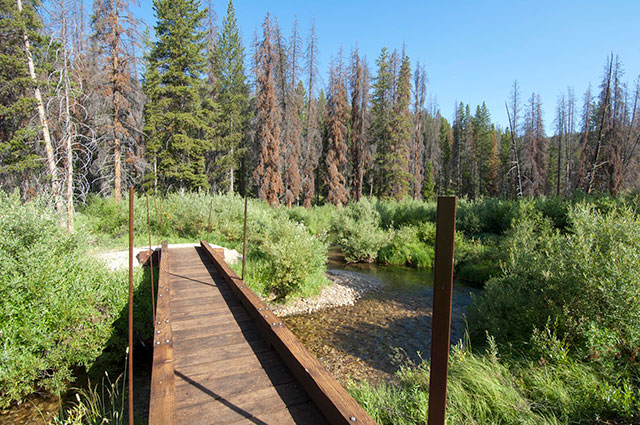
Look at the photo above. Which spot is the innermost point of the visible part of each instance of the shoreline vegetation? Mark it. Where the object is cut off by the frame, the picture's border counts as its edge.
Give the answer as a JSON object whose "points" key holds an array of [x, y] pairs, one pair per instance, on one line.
{"points": [[554, 336]]}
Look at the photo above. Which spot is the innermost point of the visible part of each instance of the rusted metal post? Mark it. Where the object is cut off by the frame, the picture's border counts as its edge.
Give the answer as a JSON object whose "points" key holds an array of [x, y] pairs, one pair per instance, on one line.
{"points": [[441, 318], [244, 241], [131, 305], [153, 296], [209, 221]]}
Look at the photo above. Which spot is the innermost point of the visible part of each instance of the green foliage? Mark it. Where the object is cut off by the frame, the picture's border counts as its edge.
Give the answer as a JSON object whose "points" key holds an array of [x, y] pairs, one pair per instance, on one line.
{"points": [[295, 261], [57, 305], [99, 404], [586, 280], [232, 95], [406, 247], [177, 118], [283, 258], [359, 234], [486, 389], [17, 102]]}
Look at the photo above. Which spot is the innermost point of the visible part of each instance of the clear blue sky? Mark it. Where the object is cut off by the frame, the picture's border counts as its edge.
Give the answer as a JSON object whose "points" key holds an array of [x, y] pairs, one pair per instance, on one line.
{"points": [[473, 50]]}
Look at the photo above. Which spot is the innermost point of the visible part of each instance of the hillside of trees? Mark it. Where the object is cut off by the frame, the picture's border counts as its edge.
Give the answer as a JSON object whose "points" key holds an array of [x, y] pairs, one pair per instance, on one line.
{"points": [[78, 117]]}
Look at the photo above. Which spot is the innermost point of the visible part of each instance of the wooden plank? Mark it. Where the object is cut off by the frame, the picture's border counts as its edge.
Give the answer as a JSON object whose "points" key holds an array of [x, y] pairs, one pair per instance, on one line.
{"points": [[245, 382], [184, 335], [305, 413], [224, 410], [251, 337], [233, 349], [330, 397], [213, 310], [230, 367], [206, 321], [212, 315], [162, 398]]}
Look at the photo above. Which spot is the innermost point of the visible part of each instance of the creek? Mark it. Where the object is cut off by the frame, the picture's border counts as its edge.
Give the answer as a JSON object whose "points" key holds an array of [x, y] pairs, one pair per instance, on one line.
{"points": [[384, 330]]}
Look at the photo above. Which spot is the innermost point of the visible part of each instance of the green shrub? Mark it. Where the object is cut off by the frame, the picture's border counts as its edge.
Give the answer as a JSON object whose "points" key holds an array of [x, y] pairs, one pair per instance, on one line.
{"points": [[283, 257], [57, 305], [359, 234], [586, 280], [293, 261], [407, 248], [409, 212]]}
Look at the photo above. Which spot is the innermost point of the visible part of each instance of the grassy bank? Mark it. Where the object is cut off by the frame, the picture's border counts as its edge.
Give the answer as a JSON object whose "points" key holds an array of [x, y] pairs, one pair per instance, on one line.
{"points": [[560, 325]]}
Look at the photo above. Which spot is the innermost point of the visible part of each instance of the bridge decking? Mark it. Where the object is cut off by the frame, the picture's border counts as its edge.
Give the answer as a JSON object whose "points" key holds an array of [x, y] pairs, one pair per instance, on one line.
{"points": [[221, 357]]}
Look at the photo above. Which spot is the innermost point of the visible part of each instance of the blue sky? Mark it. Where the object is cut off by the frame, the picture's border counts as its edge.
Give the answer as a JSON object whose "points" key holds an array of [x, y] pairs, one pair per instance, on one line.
{"points": [[473, 50]]}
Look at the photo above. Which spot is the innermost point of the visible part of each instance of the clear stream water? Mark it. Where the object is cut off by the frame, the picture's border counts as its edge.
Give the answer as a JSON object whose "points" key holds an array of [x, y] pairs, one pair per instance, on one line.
{"points": [[366, 341], [384, 330]]}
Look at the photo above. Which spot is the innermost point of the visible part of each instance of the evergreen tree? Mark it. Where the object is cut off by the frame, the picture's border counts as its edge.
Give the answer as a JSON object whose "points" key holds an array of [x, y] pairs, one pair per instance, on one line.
{"points": [[417, 167], [429, 185], [19, 156], [381, 124], [360, 152], [445, 140], [337, 136], [398, 171], [493, 167], [482, 141], [175, 117], [268, 171], [292, 120], [232, 96], [312, 144], [113, 25]]}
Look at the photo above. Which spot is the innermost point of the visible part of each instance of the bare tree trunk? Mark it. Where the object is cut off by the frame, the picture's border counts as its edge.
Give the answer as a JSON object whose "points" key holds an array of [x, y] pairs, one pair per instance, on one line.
{"points": [[514, 151], [69, 130], [116, 107], [596, 154], [44, 124]]}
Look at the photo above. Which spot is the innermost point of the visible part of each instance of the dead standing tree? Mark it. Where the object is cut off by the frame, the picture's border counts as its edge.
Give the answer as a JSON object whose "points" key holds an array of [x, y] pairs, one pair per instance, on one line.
{"points": [[267, 172]]}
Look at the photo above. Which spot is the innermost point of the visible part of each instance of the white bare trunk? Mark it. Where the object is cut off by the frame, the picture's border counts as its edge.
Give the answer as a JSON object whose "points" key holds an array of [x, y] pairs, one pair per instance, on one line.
{"points": [[44, 124]]}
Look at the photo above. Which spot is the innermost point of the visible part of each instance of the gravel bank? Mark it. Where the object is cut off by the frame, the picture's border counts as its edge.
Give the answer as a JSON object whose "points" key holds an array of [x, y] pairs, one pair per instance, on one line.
{"points": [[345, 289]]}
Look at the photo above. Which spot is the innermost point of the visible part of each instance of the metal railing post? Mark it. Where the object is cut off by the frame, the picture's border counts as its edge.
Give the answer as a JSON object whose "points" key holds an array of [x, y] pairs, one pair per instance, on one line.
{"points": [[441, 318]]}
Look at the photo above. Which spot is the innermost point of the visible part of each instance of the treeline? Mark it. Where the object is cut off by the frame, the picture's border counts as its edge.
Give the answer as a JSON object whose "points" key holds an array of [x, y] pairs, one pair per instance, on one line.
{"points": [[77, 118]]}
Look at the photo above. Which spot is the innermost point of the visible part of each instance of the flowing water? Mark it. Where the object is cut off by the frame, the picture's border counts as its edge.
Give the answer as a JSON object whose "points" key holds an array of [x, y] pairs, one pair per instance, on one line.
{"points": [[385, 329]]}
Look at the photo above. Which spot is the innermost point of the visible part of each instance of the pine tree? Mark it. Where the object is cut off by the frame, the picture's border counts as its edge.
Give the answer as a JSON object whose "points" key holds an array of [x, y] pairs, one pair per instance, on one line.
{"points": [[534, 152], [360, 151], [312, 145], [19, 156], [417, 167], [400, 177], [337, 136], [292, 121], [232, 96], [458, 146], [482, 140], [493, 166], [267, 173], [381, 124], [114, 24], [445, 140], [429, 185], [173, 84]]}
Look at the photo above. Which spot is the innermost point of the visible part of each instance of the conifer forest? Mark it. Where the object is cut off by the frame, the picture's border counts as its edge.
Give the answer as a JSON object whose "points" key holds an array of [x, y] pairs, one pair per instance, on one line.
{"points": [[92, 104], [337, 159]]}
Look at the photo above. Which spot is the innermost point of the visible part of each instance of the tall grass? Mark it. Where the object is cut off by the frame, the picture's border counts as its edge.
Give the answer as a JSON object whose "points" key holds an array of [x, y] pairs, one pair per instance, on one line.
{"points": [[484, 388]]}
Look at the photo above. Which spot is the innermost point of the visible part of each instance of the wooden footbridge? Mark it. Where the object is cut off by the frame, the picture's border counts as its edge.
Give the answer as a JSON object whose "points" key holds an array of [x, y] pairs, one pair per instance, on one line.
{"points": [[222, 357]]}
